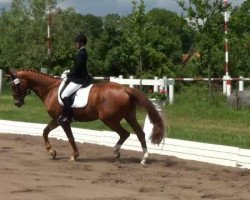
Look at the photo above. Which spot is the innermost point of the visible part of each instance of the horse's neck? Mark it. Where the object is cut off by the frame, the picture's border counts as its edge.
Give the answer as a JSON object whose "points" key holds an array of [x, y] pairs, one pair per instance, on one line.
{"points": [[37, 82]]}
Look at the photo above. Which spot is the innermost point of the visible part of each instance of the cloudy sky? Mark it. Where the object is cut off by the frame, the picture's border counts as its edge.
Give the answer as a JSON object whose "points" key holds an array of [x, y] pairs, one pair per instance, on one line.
{"points": [[122, 7]]}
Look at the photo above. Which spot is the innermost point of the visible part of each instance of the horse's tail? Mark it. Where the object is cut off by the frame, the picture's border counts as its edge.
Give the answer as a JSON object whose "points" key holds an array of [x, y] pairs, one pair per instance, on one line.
{"points": [[154, 116]]}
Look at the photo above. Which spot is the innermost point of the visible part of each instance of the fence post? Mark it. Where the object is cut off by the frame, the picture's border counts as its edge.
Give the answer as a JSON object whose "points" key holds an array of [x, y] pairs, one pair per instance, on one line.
{"points": [[131, 85], [1, 80], [171, 90], [112, 79], [120, 76], [224, 85], [165, 85], [156, 88], [229, 86], [241, 83]]}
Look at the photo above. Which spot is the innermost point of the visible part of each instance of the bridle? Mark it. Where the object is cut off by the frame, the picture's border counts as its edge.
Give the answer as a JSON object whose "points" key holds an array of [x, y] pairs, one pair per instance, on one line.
{"points": [[20, 92], [18, 96]]}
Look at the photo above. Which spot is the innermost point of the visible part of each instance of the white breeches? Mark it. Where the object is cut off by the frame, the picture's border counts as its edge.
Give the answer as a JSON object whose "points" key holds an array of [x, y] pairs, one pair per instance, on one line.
{"points": [[70, 89]]}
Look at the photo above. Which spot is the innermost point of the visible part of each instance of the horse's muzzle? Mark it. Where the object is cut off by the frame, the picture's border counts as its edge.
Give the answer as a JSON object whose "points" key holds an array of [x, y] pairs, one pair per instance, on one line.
{"points": [[19, 103]]}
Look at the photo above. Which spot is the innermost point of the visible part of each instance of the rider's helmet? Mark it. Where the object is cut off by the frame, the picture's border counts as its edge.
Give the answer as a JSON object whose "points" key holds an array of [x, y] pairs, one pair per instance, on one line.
{"points": [[81, 39]]}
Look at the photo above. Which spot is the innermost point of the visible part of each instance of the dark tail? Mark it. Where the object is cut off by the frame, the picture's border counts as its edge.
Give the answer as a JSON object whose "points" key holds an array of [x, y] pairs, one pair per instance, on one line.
{"points": [[154, 116]]}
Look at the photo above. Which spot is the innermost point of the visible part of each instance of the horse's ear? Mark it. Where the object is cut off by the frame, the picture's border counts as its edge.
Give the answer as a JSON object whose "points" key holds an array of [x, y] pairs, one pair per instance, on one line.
{"points": [[10, 74], [7, 76]]}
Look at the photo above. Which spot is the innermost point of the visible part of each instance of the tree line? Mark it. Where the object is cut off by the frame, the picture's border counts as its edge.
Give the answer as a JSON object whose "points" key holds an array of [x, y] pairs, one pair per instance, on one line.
{"points": [[144, 43]]}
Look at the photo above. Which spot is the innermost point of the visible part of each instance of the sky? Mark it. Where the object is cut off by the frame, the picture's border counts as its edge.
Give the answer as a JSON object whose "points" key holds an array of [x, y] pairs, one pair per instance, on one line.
{"points": [[121, 7]]}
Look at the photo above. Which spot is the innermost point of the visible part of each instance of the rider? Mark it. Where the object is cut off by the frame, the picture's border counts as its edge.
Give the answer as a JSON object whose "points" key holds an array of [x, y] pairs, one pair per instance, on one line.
{"points": [[76, 78]]}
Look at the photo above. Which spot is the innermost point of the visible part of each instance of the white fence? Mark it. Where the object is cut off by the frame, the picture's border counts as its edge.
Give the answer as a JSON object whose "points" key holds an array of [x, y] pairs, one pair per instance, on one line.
{"points": [[215, 154], [167, 84], [1, 80], [158, 84]]}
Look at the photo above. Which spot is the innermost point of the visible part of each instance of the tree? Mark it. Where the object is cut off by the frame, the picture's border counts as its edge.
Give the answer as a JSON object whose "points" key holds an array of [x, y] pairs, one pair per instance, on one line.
{"points": [[136, 36], [239, 40], [103, 62], [65, 27], [144, 44], [206, 17], [23, 34], [174, 23], [13, 35], [91, 25]]}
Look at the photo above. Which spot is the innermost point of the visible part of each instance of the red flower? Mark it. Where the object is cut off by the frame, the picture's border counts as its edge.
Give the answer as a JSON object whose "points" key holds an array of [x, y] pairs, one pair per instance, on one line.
{"points": [[162, 91]]}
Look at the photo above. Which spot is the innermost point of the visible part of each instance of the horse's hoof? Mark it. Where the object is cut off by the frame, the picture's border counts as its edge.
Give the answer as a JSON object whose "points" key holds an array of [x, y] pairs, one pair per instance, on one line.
{"points": [[143, 162], [73, 157], [117, 155], [53, 154]]}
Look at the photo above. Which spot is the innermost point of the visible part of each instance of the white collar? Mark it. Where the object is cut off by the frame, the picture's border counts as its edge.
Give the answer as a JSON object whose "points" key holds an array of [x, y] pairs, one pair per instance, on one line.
{"points": [[83, 47]]}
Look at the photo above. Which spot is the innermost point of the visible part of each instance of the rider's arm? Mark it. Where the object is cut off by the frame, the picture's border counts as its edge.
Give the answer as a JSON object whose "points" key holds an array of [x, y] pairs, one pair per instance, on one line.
{"points": [[80, 64]]}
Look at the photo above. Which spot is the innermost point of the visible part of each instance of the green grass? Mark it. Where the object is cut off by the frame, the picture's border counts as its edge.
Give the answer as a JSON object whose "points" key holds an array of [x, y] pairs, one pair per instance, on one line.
{"points": [[192, 117]]}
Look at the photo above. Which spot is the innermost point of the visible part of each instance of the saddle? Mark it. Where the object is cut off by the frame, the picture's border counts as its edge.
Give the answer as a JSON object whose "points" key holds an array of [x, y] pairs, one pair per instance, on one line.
{"points": [[79, 99]]}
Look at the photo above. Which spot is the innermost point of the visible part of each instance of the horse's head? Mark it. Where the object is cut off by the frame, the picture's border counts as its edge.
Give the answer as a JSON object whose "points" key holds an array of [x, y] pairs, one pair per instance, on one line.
{"points": [[19, 89]]}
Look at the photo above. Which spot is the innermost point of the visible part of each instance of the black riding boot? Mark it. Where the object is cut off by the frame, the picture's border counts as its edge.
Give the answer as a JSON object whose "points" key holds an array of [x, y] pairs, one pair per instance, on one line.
{"points": [[66, 116]]}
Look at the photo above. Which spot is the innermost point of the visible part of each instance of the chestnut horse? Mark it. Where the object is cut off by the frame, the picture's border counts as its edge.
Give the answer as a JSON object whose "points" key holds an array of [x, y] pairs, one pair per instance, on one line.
{"points": [[109, 102]]}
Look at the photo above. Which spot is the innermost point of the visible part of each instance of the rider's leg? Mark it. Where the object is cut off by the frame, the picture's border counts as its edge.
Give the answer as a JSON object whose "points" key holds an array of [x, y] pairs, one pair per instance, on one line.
{"points": [[67, 110]]}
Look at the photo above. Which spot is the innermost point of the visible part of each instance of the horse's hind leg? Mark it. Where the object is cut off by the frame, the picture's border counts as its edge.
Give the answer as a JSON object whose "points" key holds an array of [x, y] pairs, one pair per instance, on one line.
{"points": [[52, 125], [67, 129], [131, 119], [124, 134]]}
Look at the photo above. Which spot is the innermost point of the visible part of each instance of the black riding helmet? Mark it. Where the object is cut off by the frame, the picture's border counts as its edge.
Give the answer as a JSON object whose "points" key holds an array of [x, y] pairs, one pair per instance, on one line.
{"points": [[81, 39]]}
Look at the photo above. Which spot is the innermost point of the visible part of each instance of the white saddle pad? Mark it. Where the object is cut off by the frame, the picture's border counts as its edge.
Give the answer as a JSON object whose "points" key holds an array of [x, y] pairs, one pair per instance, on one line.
{"points": [[81, 97]]}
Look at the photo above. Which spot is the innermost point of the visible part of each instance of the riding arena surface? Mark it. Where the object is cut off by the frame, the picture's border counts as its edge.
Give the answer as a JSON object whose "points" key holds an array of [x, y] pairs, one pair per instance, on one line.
{"points": [[28, 173]]}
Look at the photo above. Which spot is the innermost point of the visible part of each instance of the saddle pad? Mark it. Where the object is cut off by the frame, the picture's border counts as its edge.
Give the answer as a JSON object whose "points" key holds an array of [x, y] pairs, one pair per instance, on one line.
{"points": [[81, 96]]}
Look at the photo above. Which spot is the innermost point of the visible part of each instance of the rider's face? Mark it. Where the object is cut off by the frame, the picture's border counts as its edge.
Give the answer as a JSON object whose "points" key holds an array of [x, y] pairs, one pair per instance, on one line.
{"points": [[77, 45]]}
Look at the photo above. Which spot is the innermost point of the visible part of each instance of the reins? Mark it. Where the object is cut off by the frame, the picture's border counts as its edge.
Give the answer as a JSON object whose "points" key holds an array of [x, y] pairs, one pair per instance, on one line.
{"points": [[52, 87]]}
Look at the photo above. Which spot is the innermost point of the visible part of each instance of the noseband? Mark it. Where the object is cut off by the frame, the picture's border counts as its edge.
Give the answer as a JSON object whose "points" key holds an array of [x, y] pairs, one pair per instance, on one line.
{"points": [[17, 91], [16, 83]]}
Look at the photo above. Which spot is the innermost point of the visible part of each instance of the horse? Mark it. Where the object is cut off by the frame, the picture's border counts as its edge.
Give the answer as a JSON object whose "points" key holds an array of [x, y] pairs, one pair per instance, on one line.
{"points": [[109, 102]]}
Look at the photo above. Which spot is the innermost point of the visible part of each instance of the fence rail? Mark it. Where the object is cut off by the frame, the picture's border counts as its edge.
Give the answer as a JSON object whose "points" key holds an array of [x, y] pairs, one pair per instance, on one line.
{"points": [[1, 80], [182, 79], [212, 79], [167, 84]]}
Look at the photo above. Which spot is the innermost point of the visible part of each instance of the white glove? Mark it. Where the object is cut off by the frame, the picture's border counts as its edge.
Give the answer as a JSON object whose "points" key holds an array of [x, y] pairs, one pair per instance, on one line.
{"points": [[64, 74]]}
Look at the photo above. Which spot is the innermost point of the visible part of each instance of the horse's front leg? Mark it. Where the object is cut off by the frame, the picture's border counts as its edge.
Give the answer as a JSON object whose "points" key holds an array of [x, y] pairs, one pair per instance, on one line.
{"points": [[67, 129], [52, 125]]}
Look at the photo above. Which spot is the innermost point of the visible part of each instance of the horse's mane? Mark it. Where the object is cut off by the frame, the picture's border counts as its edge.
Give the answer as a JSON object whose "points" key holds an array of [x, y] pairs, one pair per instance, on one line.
{"points": [[38, 72]]}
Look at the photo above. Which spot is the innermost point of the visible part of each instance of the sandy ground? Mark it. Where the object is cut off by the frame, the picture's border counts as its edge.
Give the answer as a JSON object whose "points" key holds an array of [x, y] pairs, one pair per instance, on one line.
{"points": [[27, 172]]}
